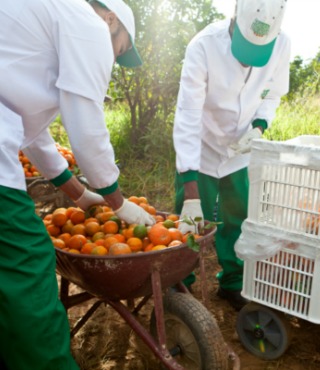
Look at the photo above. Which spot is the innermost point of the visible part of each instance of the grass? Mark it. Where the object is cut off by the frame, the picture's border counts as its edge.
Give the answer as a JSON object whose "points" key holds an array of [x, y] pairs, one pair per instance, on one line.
{"points": [[301, 117]]}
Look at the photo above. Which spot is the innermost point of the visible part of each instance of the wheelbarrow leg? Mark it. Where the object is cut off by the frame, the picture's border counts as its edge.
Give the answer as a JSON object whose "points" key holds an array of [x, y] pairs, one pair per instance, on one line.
{"points": [[144, 335], [203, 278], [159, 313], [159, 349]]}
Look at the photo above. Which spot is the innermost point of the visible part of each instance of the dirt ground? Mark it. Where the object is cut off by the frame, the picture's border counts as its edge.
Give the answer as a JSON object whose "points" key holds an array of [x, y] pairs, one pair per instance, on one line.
{"points": [[106, 342]]}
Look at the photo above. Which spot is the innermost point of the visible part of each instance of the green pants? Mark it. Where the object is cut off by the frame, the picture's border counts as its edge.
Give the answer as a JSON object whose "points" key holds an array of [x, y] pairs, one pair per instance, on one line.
{"points": [[34, 328], [232, 192]]}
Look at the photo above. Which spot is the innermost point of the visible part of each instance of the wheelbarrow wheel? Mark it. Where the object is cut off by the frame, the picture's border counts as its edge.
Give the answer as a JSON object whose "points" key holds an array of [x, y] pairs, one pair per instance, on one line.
{"points": [[192, 335], [264, 332]]}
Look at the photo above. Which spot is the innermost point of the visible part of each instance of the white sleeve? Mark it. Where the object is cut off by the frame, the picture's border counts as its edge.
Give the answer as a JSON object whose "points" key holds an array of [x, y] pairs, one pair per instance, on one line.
{"points": [[278, 85], [44, 155], [187, 123], [89, 138], [86, 61]]}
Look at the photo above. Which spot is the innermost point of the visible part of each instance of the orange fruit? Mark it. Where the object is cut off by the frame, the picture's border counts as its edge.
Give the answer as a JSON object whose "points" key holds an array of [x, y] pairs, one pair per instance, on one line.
{"points": [[94, 210], [75, 251], [128, 232], [145, 242], [185, 237], [70, 210], [110, 240], [48, 217], [158, 218], [140, 231], [66, 228], [120, 238], [174, 243], [77, 217], [92, 227], [99, 242], [59, 243], [90, 219], [145, 206], [176, 234], [104, 216], [159, 247], [148, 247], [46, 223], [77, 242], [173, 217], [116, 219], [53, 230], [119, 248], [59, 218], [135, 244], [158, 234], [65, 237], [98, 235], [168, 224], [151, 210], [110, 227], [134, 199], [106, 208], [99, 250], [78, 229], [143, 200]]}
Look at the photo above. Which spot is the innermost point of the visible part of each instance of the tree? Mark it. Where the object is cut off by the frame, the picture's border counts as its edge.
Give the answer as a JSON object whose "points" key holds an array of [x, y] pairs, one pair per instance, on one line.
{"points": [[163, 29], [304, 78]]}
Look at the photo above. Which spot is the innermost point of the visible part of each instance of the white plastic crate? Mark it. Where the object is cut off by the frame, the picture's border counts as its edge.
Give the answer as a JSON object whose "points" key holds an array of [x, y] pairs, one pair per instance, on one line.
{"points": [[287, 281], [285, 184]]}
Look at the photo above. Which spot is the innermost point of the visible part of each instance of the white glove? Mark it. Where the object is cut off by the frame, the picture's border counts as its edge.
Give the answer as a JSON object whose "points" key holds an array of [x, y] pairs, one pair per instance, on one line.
{"points": [[244, 144], [131, 213], [191, 209], [88, 199]]}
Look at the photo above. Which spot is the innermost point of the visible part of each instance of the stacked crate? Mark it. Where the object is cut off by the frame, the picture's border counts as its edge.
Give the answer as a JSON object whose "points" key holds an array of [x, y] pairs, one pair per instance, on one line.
{"points": [[280, 240]]}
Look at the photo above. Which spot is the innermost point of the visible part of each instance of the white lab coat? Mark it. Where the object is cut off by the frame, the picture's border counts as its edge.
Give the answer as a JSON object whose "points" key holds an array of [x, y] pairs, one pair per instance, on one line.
{"points": [[56, 57], [218, 100]]}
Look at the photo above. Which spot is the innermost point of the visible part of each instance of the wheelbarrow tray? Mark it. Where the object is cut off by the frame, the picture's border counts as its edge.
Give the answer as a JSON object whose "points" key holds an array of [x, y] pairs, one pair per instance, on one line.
{"points": [[129, 276]]}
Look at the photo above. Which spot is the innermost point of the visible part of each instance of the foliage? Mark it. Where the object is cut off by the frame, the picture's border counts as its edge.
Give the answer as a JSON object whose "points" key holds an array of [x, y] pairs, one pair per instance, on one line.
{"points": [[163, 30], [304, 78], [59, 133]]}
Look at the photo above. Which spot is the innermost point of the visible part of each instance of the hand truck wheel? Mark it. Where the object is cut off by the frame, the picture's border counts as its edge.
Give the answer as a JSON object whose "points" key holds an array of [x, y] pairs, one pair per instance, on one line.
{"points": [[264, 332]]}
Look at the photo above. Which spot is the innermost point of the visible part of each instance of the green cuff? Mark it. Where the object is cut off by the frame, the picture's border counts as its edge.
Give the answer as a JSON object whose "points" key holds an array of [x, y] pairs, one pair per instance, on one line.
{"points": [[108, 189], [260, 123], [189, 176], [61, 179]]}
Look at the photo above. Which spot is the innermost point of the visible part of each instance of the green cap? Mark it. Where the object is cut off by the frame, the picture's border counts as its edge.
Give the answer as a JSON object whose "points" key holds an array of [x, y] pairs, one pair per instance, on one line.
{"points": [[257, 26]]}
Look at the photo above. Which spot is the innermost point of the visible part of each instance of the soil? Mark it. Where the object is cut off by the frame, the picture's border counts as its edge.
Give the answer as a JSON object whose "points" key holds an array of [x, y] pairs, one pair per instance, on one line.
{"points": [[106, 341]]}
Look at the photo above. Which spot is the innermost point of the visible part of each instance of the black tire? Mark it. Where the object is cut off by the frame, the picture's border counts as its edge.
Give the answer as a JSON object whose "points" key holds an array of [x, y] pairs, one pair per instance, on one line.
{"points": [[264, 332], [192, 334]]}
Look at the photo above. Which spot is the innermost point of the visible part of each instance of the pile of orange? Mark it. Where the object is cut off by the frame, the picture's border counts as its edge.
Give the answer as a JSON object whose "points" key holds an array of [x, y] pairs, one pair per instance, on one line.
{"points": [[100, 232], [31, 171]]}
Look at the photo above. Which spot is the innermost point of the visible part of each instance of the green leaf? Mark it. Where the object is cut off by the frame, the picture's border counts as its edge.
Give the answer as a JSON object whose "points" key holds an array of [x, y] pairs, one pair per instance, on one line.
{"points": [[187, 220], [192, 244], [210, 225], [198, 219]]}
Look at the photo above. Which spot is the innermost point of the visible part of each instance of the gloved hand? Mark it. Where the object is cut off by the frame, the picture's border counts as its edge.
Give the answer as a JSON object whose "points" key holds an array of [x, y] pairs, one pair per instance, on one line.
{"points": [[244, 144], [88, 199], [191, 209], [133, 214]]}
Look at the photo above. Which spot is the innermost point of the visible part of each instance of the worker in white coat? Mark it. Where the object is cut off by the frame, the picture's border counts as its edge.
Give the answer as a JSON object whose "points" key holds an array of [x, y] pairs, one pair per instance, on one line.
{"points": [[233, 76], [56, 58]]}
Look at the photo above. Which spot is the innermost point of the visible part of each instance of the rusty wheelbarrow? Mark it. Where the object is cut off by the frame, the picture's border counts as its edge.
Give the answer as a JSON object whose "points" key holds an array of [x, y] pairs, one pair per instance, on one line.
{"points": [[183, 334]]}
